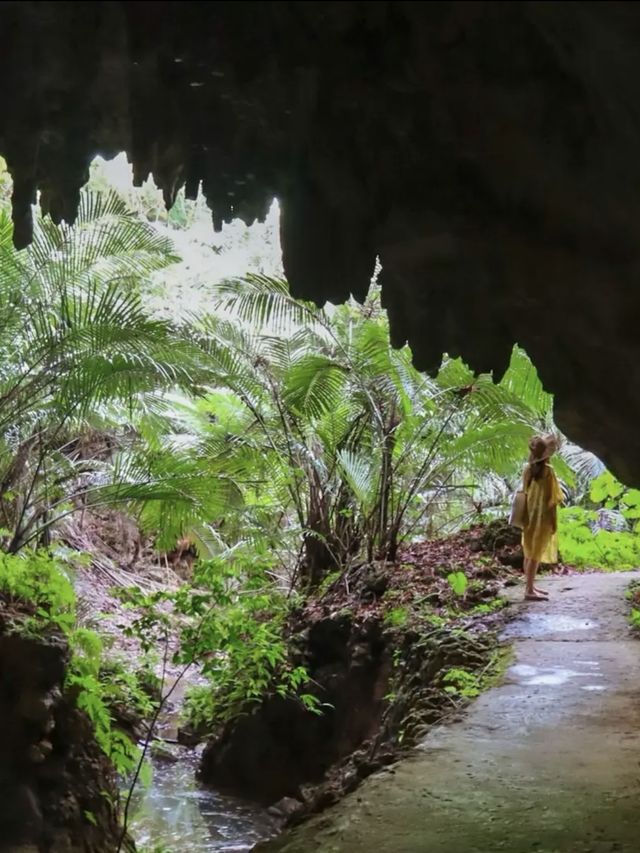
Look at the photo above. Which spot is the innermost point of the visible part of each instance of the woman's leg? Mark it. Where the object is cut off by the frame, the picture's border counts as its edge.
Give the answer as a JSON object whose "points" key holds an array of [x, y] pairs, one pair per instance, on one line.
{"points": [[530, 592], [528, 576]]}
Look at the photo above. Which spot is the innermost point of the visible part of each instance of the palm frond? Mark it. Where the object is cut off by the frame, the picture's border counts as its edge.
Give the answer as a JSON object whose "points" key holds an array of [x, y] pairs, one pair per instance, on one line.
{"points": [[521, 380], [266, 305], [359, 472], [314, 384]]}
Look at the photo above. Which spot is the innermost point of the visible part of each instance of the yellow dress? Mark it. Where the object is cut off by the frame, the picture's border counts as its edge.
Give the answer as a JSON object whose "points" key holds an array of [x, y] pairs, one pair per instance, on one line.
{"points": [[539, 539]]}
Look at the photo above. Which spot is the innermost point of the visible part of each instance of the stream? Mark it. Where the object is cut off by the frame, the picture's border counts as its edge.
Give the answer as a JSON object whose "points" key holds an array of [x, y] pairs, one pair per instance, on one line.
{"points": [[175, 813]]}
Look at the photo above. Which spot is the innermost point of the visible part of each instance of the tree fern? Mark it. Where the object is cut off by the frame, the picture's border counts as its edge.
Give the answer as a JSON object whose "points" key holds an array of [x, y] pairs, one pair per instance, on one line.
{"points": [[78, 347]]}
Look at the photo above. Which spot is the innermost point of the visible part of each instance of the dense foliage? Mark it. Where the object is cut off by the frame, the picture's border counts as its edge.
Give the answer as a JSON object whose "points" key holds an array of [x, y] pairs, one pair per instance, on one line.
{"points": [[269, 421], [79, 351], [232, 628], [604, 533], [340, 448]]}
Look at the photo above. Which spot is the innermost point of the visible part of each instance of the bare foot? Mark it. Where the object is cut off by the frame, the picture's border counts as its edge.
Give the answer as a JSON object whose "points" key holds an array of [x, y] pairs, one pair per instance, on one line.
{"points": [[540, 591], [535, 596]]}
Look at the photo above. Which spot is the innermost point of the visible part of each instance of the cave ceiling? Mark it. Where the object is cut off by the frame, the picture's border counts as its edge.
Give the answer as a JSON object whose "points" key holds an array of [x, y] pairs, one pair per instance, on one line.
{"points": [[488, 152]]}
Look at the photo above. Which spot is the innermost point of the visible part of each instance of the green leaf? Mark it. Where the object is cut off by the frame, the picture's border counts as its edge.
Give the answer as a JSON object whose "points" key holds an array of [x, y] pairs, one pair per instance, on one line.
{"points": [[314, 385], [458, 582], [605, 487]]}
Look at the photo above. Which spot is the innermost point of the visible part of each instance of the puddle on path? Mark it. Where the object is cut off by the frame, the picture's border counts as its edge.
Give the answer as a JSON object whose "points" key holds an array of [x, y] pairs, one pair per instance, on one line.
{"points": [[176, 813], [540, 624], [554, 676]]}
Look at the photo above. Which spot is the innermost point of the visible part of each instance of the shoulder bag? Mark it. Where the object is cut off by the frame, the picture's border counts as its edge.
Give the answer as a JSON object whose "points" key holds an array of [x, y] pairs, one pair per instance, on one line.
{"points": [[519, 515]]}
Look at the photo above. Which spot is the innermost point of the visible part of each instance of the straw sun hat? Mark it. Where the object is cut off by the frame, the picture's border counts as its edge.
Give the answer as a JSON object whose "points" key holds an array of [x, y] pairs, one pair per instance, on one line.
{"points": [[542, 447]]}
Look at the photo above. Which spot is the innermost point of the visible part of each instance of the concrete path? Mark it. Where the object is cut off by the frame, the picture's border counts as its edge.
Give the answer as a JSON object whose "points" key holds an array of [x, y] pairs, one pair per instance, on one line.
{"points": [[547, 762]]}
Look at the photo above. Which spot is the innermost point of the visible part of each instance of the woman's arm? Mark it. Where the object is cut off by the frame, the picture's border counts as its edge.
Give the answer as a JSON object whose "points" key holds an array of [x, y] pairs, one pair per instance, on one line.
{"points": [[556, 496]]}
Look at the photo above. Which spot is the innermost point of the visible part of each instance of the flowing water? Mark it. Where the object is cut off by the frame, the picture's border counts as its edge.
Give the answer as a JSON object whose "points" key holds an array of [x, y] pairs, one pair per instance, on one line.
{"points": [[176, 814]]}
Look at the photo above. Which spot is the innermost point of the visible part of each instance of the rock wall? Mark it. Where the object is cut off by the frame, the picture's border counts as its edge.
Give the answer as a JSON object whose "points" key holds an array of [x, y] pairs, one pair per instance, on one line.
{"points": [[486, 151], [270, 753], [57, 791], [381, 690]]}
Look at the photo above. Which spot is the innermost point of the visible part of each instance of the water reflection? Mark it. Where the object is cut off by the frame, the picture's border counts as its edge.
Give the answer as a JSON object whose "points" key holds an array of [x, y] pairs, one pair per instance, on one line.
{"points": [[555, 675], [178, 815], [558, 675], [535, 624]]}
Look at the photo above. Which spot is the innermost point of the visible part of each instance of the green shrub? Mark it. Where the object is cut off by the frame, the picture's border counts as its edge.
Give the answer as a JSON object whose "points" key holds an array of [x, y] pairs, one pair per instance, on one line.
{"points": [[199, 708], [251, 664], [134, 689], [582, 543], [397, 617], [234, 629], [35, 580]]}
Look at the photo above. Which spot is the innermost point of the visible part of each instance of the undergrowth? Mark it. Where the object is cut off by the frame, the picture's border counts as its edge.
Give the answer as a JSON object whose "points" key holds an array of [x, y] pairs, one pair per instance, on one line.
{"points": [[235, 634], [604, 535], [138, 690], [468, 684], [582, 544]]}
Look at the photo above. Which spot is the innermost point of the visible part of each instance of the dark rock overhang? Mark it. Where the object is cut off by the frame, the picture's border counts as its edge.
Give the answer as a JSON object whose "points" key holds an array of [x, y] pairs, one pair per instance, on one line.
{"points": [[487, 151]]}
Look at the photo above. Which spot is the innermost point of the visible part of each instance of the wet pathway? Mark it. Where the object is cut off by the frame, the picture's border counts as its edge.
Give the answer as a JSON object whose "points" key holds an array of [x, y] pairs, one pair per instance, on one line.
{"points": [[547, 762]]}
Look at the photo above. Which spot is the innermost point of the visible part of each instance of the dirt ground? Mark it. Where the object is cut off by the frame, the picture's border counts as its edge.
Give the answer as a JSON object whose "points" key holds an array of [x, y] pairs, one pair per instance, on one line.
{"points": [[548, 761]]}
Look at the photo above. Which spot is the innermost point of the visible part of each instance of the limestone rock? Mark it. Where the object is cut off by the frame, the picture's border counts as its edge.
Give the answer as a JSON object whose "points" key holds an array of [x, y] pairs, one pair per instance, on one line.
{"points": [[285, 808]]}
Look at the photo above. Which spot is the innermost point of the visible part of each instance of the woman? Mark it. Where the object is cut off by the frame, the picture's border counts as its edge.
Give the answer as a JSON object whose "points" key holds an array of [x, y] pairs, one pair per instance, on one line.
{"points": [[540, 533]]}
